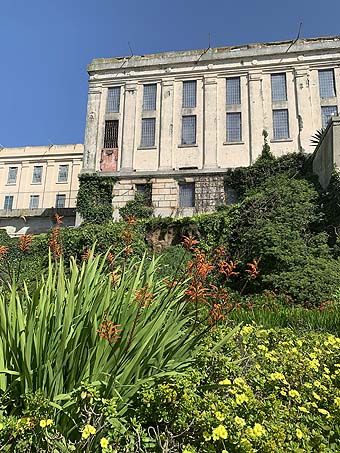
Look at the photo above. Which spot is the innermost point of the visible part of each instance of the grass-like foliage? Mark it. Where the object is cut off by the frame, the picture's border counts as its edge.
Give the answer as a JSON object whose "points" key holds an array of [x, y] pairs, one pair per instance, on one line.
{"points": [[119, 328]]}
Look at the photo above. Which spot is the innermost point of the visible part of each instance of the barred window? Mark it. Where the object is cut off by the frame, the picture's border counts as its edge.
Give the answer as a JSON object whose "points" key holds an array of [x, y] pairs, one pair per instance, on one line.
{"points": [[327, 83], [12, 175], [187, 195], [111, 134], [8, 202], [60, 200], [189, 130], [148, 132], [63, 173], [234, 129], [280, 124], [149, 97], [34, 202], [233, 90], [279, 87], [327, 112], [189, 94], [113, 100], [37, 175]]}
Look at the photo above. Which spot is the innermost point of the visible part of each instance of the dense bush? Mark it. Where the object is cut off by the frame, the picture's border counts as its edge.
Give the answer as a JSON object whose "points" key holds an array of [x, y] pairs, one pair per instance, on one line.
{"points": [[138, 208]]}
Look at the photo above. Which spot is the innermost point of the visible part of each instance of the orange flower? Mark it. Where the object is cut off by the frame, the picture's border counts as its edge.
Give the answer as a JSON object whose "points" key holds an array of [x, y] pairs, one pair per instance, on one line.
{"points": [[3, 251], [189, 242], [86, 255], [110, 257], [253, 270], [228, 268], [130, 220], [58, 218], [24, 242], [109, 331], [114, 278], [143, 298]]}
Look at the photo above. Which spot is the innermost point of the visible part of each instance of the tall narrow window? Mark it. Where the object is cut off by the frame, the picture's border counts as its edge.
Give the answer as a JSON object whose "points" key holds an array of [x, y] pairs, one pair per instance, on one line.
{"points": [[113, 100], [34, 202], [280, 124], [111, 134], [327, 83], [189, 130], [189, 94], [8, 202], [234, 128], [148, 132], [327, 112], [12, 175], [145, 190], [233, 90], [60, 200], [63, 173], [37, 174], [149, 97], [187, 195], [279, 87]]}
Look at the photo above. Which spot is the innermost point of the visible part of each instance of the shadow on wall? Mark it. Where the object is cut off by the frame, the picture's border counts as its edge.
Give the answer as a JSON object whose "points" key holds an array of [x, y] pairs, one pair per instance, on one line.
{"points": [[20, 221]]}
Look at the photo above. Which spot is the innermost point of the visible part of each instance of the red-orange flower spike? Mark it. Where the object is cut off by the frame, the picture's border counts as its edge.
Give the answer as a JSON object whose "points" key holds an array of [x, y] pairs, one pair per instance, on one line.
{"points": [[189, 242], [86, 255], [3, 251], [143, 298], [58, 218], [109, 331], [24, 242], [131, 220], [253, 270], [228, 268], [110, 257]]}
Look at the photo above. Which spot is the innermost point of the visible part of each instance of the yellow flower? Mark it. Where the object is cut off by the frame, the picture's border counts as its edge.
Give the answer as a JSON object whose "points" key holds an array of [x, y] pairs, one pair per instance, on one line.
{"points": [[240, 421], [49, 422], [43, 423], [1, 426], [294, 393], [220, 417], [206, 436], [258, 430], [299, 433], [104, 443], [303, 409], [337, 401], [219, 433], [225, 382], [241, 398], [316, 396], [87, 431], [324, 412]]}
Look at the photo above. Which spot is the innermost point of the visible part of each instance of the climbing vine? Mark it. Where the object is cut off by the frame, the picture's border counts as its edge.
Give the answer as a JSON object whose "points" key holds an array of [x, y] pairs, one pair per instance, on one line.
{"points": [[94, 200]]}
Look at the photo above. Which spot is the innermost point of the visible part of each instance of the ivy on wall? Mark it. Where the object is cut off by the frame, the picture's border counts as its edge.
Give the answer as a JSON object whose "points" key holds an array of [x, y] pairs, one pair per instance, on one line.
{"points": [[94, 200]]}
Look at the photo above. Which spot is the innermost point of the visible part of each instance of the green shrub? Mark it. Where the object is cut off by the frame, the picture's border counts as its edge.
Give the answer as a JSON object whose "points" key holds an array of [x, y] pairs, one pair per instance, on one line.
{"points": [[138, 208]]}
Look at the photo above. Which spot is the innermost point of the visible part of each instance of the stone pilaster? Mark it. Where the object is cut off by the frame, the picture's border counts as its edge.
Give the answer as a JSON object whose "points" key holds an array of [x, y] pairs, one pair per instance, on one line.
{"points": [[304, 108], [256, 114], [129, 120], [166, 125], [91, 131], [210, 123]]}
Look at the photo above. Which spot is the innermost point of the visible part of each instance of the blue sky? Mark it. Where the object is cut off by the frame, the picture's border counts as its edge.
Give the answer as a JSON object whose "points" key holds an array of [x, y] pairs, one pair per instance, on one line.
{"points": [[46, 45]]}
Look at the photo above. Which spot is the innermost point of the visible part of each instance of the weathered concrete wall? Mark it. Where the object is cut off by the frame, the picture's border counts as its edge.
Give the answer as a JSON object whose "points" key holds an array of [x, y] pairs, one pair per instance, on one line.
{"points": [[327, 154]]}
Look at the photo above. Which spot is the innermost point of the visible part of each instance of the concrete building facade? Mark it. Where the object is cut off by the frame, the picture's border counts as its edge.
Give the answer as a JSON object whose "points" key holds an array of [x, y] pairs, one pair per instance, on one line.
{"points": [[173, 122], [35, 182]]}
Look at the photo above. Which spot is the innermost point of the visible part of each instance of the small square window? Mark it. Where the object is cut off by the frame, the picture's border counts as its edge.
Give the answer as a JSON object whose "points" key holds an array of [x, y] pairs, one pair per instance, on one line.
{"points": [[279, 87], [34, 202], [8, 202], [234, 128], [148, 132], [327, 112], [113, 100], [280, 124], [149, 96], [187, 195], [60, 201], [189, 94], [327, 83], [189, 130], [63, 173], [37, 174], [233, 90], [12, 175]]}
